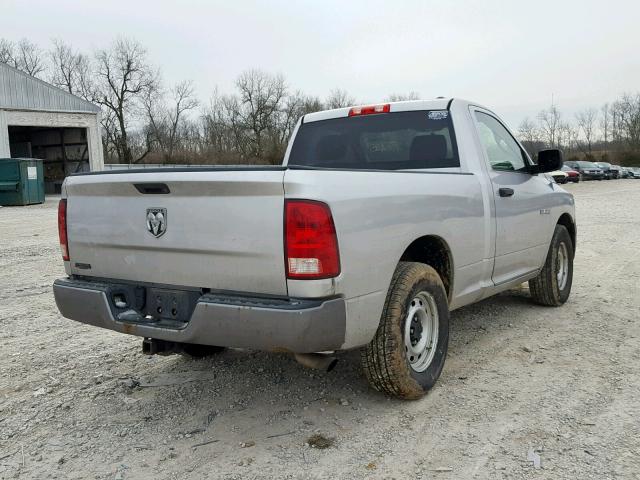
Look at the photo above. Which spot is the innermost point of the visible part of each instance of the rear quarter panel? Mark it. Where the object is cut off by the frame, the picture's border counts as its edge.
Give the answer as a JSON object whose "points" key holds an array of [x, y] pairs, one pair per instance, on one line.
{"points": [[377, 216]]}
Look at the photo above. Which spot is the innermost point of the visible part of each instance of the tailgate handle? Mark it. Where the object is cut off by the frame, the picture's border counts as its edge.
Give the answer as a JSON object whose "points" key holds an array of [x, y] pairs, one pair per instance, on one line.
{"points": [[152, 188]]}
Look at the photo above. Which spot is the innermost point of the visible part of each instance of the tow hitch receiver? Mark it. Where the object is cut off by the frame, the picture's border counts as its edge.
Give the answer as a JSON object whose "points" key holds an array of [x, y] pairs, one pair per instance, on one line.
{"points": [[153, 346]]}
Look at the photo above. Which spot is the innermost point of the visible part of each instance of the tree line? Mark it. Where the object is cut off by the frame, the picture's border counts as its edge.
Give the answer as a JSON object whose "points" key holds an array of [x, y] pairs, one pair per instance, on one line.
{"points": [[144, 120], [608, 134]]}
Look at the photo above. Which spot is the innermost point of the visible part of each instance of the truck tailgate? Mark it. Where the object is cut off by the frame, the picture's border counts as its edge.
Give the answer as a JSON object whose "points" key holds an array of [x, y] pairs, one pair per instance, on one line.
{"points": [[222, 229]]}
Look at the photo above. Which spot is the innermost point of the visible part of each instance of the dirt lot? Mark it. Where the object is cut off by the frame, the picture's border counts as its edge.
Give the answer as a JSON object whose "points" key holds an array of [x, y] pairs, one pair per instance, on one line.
{"points": [[564, 384]]}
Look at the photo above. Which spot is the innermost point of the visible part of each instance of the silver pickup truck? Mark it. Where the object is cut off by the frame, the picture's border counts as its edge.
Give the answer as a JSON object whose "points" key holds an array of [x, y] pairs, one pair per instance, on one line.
{"points": [[380, 221]]}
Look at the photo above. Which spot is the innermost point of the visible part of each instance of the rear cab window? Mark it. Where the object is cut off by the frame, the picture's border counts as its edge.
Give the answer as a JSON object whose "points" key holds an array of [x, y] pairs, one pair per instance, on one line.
{"points": [[386, 141]]}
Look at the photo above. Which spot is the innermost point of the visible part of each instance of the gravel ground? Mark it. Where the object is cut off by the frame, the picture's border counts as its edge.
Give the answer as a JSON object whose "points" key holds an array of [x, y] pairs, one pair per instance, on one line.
{"points": [[521, 382]]}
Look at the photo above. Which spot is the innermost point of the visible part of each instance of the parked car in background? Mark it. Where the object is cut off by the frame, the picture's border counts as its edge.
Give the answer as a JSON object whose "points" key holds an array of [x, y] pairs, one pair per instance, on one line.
{"points": [[558, 176], [635, 172], [616, 171], [572, 175], [607, 171], [622, 172], [628, 173], [588, 170]]}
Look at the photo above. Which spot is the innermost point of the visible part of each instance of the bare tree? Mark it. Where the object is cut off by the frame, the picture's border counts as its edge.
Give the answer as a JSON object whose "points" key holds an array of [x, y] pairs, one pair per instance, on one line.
{"points": [[165, 122], [401, 97], [528, 131], [587, 120], [550, 122], [260, 101], [218, 139], [568, 136], [626, 115], [64, 63], [124, 76], [31, 58], [294, 106], [71, 70], [529, 136], [109, 134], [228, 135], [184, 100], [339, 98], [24, 55], [605, 126], [7, 52]]}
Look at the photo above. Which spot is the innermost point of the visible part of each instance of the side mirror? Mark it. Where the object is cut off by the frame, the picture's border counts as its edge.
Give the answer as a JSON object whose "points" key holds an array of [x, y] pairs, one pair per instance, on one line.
{"points": [[548, 161]]}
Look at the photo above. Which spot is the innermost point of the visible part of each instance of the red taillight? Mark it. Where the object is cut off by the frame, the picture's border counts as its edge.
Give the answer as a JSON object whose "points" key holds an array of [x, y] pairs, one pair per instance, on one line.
{"points": [[311, 245], [371, 109], [62, 229]]}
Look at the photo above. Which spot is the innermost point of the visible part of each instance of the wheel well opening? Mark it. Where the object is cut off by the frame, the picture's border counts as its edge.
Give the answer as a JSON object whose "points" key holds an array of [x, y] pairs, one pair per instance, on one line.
{"points": [[566, 221], [434, 252]]}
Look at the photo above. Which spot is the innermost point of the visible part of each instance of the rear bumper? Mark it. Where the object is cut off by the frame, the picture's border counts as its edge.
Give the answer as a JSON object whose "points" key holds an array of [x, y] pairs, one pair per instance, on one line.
{"points": [[227, 320]]}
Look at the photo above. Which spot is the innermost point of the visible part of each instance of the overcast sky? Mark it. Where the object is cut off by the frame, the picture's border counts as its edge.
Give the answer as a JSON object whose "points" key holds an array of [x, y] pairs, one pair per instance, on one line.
{"points": [[509, 55]]}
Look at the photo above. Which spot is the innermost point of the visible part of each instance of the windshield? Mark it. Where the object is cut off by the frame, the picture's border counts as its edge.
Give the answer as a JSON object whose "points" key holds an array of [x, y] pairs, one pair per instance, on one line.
{"points": [[584, 164], [604, 165], [386, 141]]}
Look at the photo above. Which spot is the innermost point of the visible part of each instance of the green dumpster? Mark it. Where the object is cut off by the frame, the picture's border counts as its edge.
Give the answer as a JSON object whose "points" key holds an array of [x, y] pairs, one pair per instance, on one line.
{"points": [[21, 181]]}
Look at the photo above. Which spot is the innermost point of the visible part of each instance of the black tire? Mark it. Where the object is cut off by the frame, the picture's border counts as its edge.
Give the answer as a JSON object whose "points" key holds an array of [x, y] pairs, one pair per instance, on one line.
{"points": [[200, 351], [546, 288], [386, 359]]}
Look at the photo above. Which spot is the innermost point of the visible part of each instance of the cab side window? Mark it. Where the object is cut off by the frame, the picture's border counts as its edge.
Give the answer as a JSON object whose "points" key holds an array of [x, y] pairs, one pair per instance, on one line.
{"points": [[503, 151]]}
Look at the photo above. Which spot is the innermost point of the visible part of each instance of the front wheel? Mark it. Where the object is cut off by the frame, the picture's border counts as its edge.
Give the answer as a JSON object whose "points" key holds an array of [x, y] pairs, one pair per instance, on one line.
{"points": [[552, 286], [407, 354]]}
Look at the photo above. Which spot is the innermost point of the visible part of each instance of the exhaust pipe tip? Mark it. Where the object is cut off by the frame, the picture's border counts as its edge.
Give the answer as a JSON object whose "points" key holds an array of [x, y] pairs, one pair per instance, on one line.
{"points": [[317, 361], [332, 364]]}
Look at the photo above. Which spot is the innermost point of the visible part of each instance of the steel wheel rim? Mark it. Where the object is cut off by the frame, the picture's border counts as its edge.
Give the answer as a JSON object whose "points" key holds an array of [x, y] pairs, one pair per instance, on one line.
{"points": [[421, 331], [562, 266]]}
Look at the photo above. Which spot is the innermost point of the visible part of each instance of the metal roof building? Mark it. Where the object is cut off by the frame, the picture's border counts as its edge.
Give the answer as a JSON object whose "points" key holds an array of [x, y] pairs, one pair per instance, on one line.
{"points": [[38, 120]]}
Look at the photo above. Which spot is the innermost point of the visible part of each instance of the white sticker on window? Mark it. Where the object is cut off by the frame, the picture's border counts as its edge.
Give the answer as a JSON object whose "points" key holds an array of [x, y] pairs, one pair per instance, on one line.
{"points": [[438, 114], [32, 173]]}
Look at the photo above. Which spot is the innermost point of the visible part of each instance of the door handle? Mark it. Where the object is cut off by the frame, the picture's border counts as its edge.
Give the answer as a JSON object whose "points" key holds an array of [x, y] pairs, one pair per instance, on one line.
{"points": [[506, 192]]}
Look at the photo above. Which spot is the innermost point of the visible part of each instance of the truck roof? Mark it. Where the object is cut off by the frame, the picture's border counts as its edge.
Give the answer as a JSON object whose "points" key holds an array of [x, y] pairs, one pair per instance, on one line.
{"points": [[440, 103]]}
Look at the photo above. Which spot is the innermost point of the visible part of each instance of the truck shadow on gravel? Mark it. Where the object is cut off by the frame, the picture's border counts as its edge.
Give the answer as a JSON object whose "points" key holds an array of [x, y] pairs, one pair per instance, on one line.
{"points": [[241, 396]]}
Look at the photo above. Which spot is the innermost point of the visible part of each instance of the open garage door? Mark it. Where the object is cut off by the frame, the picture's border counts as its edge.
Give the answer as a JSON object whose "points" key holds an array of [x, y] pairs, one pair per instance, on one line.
{"points": [[64, 151]]}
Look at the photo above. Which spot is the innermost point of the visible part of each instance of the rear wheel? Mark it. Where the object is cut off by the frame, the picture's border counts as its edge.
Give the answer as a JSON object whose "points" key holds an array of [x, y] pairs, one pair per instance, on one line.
{"points": [[552, 286], [407, 354]]}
